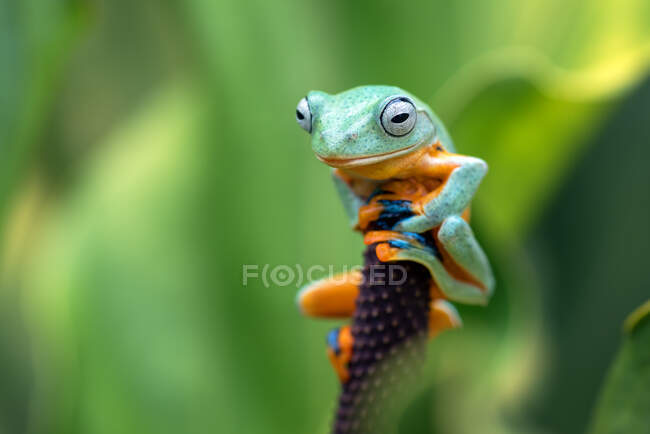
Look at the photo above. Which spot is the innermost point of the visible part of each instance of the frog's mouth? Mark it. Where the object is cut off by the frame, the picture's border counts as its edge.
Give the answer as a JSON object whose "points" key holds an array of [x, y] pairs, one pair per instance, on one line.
{"points": [[365, 160]]}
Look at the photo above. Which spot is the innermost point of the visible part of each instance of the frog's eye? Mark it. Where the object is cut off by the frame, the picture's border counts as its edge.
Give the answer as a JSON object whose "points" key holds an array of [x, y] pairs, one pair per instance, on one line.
{"points": [[398, 116], [303, 115]]}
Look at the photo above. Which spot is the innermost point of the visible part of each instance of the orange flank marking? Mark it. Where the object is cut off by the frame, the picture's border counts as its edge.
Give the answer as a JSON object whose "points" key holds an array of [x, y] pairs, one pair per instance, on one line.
{"points": [[386, 253], [340, 361], [410, 189], [441, 319], [372, 237], [435, 292], [333, 297], [369, 213]]}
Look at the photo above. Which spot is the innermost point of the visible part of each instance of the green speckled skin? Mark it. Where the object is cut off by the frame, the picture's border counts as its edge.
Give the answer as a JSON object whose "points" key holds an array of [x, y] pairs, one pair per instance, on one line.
{"points": [[346, 125]]}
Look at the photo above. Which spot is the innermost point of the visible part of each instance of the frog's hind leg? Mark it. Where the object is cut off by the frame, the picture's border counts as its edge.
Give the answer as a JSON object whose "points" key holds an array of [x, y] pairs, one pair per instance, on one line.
{"points": [[339, 351], [459, 243], [451, 287], [332, 297]]}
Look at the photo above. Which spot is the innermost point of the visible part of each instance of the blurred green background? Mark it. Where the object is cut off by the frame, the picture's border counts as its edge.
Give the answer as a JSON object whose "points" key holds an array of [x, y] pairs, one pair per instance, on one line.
{"points": [[148, 150]]}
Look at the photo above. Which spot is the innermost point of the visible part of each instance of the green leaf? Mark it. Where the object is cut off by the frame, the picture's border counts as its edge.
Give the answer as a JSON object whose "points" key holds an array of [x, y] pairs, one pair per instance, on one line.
{"points": [[624, 405], [35, 44]]}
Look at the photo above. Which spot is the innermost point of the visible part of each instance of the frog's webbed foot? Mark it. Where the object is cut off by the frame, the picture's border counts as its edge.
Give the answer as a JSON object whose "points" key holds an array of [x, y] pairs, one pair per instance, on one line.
{"points": [[339, 350], [331, 297], [455, 283]]}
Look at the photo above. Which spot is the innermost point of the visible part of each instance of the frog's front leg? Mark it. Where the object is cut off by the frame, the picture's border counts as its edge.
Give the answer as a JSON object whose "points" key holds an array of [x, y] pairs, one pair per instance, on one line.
{"points": [[461, 177]]}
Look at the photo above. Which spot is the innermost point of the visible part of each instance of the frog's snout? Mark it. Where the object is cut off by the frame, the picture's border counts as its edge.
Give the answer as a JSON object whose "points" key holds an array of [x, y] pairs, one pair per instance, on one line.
{"points": [[332, 143]]}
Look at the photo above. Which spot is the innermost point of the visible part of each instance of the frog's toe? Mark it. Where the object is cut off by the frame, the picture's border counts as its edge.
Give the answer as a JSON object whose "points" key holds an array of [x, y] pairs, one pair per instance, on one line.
{"points": [[454, 228], [339, 350], [416, 223]]}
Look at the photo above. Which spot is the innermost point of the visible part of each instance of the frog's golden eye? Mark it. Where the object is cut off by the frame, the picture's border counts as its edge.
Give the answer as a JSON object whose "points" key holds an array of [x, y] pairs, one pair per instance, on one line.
{"points": [[398, 116], [303, 115]]}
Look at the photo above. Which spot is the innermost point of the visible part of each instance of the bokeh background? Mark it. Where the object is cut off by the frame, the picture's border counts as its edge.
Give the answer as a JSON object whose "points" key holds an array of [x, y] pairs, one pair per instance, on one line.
{"points": [[148, 150]]}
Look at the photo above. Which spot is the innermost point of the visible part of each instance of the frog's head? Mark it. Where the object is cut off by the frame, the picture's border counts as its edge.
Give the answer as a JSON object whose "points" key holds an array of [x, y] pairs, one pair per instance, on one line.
{"points": [[368, 124]]}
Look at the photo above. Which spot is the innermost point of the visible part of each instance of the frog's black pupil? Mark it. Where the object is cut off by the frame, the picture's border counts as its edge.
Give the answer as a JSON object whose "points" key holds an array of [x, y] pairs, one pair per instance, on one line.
{"points": [[398, 119], [299, 115]]}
